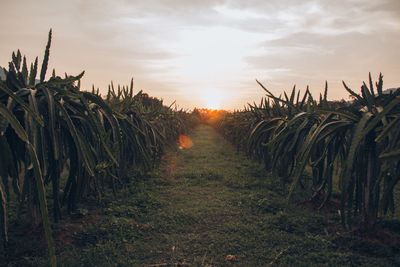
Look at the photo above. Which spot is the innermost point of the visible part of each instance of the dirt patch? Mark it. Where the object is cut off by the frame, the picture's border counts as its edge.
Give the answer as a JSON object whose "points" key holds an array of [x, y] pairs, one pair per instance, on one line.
{"points": [[67, 230]]}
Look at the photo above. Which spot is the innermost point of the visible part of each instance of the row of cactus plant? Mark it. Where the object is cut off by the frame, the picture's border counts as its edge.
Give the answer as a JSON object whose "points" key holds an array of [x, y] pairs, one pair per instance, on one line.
{"points": [[357, 139], [50, 127]]}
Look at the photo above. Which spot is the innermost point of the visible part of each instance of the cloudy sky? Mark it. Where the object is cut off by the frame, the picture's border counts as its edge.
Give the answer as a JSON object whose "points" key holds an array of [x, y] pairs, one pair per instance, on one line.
{"points": [[208, 53]]}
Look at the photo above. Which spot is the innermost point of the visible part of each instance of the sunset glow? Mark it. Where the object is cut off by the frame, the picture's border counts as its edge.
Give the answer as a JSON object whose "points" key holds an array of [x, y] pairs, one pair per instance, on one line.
{"points": [[208, 54], [212, 104], [212, 98]]}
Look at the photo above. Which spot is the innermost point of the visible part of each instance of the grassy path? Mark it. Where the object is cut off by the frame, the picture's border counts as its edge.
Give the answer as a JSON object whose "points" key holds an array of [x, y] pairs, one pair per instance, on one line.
{"points": [[209, 206]]}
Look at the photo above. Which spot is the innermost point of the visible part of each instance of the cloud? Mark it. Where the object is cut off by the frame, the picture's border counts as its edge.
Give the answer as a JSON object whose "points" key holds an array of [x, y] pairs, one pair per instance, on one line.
{"points": [[176, 48]]}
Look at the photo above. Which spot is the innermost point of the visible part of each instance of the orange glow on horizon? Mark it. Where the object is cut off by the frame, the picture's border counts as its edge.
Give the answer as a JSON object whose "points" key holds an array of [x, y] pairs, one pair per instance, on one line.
{"points": [[210, 116], [212, 112]]}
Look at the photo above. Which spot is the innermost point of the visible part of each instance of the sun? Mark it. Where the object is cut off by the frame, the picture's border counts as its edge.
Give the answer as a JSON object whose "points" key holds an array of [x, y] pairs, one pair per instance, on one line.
{"points": [[212, 98], [213, 104]]}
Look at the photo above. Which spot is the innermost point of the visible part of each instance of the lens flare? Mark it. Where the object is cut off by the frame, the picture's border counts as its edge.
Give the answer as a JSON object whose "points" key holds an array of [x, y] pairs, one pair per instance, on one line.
{"points": [[185, 141]]}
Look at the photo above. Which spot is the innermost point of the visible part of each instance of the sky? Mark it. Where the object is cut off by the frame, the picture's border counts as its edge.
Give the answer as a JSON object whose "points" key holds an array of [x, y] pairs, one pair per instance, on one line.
{"points": [[209, 53]]}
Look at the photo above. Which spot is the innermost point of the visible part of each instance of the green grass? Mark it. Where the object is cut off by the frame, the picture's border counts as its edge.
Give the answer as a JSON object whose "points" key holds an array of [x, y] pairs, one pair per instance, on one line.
{"points": [[208, 202]]}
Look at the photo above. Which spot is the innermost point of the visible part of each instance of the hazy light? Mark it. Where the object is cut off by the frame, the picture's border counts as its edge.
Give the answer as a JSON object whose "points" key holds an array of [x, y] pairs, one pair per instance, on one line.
{"points": [[212, 61], [206, 52], [212, 98]]}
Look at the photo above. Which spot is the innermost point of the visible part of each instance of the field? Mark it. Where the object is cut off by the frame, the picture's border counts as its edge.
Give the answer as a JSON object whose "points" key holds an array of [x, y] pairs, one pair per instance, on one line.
{"points": [[123, 180], [213, 208]]}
